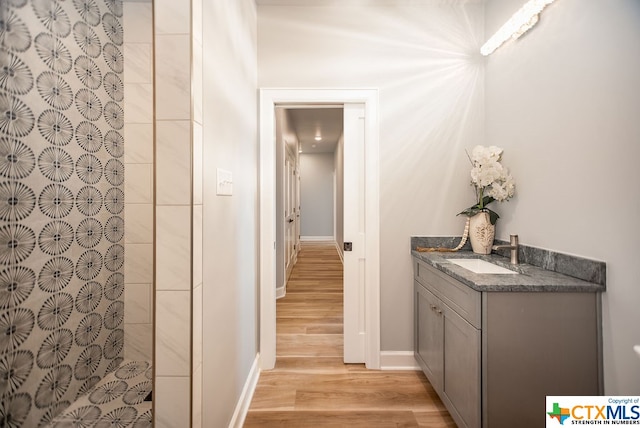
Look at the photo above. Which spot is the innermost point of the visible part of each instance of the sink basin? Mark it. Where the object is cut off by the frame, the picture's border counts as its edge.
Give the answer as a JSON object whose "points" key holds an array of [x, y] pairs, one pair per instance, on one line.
{"points": [[481, 266]]}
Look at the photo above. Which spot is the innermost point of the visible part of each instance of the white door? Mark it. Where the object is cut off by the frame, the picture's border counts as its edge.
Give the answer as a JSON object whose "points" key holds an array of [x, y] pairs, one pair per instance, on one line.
{"points": [[269, 98], [290, 212], [354, 233]]}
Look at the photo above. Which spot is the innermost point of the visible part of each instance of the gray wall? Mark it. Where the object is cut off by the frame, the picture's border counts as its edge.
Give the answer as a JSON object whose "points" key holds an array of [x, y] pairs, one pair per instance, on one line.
{"points": [[563, 102], [562, 97], [62, 219], [424, 60], [316, 195], [230, 243]]}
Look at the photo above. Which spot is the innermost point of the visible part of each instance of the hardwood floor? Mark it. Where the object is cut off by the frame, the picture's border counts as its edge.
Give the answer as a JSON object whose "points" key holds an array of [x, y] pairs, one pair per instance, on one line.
{"points": [[310, 385]]}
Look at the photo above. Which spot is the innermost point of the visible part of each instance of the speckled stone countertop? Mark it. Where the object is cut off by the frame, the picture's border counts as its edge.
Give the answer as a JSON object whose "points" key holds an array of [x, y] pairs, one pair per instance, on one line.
{"points": [[529, 277]]}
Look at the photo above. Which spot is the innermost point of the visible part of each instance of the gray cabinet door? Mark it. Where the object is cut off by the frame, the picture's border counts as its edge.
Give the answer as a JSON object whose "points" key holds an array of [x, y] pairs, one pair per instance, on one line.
{"points": [[462, 356], [429, 335]]}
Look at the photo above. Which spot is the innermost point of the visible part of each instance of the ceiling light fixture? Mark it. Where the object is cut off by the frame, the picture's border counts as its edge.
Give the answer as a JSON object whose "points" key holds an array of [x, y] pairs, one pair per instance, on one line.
{"points": [[318, 138], [516, 26]]}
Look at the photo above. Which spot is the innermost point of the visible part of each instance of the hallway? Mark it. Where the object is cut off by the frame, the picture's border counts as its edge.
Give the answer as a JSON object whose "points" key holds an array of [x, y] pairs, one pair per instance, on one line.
{"points": [[310, 385]]}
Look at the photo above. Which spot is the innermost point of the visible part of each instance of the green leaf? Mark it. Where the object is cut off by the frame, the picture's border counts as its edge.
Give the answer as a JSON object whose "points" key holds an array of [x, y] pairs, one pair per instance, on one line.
{"points": [[487, 200], [471, 211], [493, 216]]}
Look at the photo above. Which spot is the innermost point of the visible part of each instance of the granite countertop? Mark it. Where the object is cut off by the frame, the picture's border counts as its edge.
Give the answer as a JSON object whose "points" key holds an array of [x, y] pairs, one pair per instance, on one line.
{"points": [[529, 277]]}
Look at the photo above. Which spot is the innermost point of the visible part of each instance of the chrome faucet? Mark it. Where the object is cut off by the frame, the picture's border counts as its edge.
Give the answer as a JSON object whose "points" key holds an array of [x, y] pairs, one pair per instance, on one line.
{"points": [[513, 246]]}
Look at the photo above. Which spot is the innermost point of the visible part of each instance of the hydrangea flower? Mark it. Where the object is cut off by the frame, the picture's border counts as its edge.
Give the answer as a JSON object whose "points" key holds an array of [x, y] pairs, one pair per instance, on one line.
{"points": [[491, 180]]}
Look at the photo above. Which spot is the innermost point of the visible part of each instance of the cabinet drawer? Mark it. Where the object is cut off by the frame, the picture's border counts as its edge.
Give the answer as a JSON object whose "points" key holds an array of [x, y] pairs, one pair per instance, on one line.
{"points": [[462, 299]]}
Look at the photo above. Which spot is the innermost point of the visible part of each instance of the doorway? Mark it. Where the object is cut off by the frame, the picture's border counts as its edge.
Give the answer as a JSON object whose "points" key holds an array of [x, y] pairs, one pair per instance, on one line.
{"points": [[368, 287]]}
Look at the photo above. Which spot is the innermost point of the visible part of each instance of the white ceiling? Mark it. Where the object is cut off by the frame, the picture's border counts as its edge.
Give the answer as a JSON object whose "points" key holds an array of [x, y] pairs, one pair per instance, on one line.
{"points": [[359, 2], [311, 121]]}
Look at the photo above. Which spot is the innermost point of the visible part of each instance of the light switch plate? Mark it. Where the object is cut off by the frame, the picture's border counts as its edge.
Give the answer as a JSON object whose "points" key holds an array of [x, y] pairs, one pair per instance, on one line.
{"points": [[225, 182]]}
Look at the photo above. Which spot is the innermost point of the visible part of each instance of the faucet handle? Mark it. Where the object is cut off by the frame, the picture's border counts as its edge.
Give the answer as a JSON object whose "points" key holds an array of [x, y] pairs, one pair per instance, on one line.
{"points": [[513, 242]]}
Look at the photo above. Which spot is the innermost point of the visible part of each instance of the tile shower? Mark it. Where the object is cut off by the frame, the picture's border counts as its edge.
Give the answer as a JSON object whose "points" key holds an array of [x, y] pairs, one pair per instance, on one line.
{"points": [[71, 307]]}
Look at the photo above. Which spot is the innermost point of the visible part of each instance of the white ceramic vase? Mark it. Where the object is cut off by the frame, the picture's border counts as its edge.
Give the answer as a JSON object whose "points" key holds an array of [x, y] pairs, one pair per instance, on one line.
{"points": [[481, 233]]}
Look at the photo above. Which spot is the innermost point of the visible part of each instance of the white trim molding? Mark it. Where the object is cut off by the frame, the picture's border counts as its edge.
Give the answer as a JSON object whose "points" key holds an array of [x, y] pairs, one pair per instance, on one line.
{"points": [[242, 407], [398, 360], [317, 239], [269, 98]]}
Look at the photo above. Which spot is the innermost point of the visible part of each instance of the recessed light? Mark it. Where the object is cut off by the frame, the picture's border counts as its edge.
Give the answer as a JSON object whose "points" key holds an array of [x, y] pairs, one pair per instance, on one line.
{"points": [[318, 138], [313, 145]]}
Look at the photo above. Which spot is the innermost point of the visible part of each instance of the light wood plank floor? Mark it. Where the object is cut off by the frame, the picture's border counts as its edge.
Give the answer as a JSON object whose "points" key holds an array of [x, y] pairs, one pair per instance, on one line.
{"points": [[310, 385]]}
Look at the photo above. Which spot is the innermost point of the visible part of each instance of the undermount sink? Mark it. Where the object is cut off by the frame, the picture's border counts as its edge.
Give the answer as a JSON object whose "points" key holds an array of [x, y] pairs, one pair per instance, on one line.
{"points": [[481, 266]]}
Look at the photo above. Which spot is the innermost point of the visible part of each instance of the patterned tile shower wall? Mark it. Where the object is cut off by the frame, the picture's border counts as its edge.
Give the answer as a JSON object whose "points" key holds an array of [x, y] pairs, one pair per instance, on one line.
{"points": [[61, 203]]}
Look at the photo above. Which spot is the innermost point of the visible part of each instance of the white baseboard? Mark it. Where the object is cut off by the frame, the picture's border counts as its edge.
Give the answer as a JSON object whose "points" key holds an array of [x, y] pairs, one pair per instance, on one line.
{"points": [[242, 407], [318, 238], [398, 360], [281, 292]]}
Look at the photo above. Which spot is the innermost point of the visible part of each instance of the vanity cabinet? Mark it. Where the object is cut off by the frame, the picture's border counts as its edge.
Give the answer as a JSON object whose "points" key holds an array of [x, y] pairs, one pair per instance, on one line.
{"points": [[447, 343], [493, 356]]}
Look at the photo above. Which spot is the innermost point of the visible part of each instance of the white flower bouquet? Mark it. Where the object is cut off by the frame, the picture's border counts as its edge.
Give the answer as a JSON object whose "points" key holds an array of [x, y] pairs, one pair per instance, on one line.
{"points": [[491, 180]]}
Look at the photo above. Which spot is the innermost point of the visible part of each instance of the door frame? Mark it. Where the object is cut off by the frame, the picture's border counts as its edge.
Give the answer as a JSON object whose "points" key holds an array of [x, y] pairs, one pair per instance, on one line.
{"points": [[269, 98]]}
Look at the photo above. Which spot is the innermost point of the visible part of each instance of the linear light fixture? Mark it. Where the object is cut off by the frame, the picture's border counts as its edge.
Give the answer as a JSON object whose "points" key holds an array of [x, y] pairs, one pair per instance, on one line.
{"points": [[521, 21]]}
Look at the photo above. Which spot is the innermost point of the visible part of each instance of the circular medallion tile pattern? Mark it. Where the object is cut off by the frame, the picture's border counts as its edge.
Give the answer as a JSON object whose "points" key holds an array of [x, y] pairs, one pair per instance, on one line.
{"points": [[54, 90], [87, 39], [62, 211], [53, 386], [16, 37], [55, 311], [55, 348], [55, 274], [88, 362], [53, 53], [14, 370], [17, 201], [53, 17], [88, 72], [16, 118], [16, 159], [15, 76], [16, 285], [88, 10], [89, 136], [55, 127], [117, 400], [56, 201], [89, 297]]}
